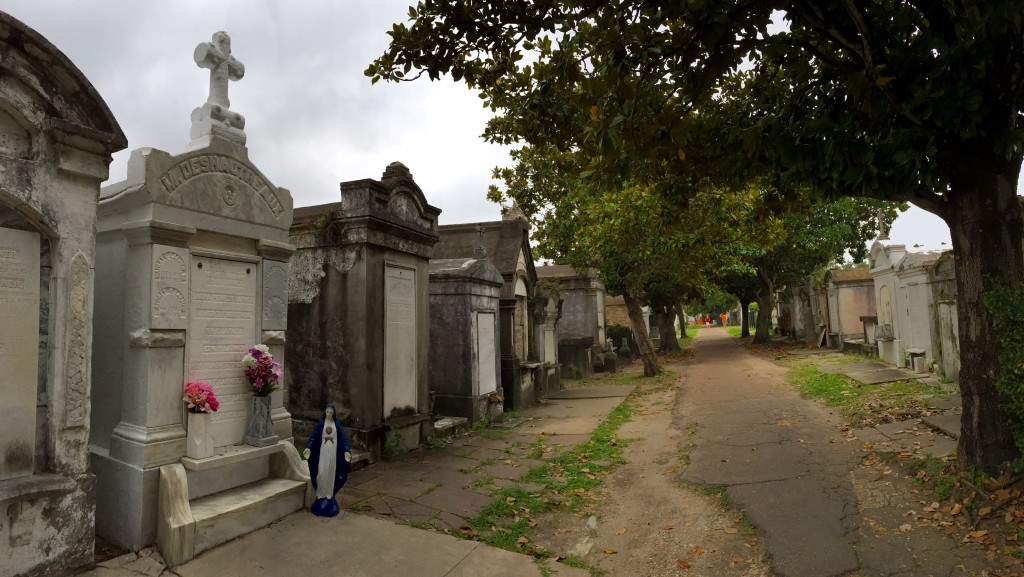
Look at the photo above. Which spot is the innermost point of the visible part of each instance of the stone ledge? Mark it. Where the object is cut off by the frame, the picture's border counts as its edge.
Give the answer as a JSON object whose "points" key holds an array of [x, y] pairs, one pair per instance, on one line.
{"points": [[230, 455], [34, 487]]}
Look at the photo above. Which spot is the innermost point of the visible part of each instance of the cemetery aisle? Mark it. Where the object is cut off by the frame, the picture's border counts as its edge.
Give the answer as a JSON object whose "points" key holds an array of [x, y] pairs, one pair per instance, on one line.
{"points": [[787, 467]]}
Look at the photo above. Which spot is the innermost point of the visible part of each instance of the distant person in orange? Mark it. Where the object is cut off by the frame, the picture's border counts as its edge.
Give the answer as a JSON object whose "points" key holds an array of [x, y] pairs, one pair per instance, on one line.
{"points": [[724, 318]]}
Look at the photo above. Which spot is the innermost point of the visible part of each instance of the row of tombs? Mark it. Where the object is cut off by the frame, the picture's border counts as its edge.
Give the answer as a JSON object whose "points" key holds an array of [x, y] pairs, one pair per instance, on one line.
{"points": [[112, 299]]}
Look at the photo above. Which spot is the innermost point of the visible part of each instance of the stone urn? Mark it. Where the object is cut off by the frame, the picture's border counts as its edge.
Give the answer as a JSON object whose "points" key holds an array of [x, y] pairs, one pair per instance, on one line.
{"points": [[198, 440], [260, 432]]}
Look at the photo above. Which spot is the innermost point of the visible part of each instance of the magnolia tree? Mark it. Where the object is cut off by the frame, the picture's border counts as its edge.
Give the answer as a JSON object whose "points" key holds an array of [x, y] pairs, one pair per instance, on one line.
{"points": [[905, 101]]}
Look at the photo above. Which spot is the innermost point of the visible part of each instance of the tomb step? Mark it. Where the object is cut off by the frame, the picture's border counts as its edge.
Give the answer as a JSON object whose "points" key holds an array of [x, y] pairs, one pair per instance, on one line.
{"points": [[450, 426], [360, 458], [223, 516]]}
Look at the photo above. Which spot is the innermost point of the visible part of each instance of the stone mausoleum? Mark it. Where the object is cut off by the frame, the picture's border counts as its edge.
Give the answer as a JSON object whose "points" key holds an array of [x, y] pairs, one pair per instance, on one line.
{"points": [[359, 328], [464, 355], [56, 141], [192, 270]]}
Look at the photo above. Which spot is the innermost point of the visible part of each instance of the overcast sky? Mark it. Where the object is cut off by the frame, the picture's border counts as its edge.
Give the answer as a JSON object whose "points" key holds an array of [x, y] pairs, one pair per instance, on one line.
{"points": [[312, 119]]}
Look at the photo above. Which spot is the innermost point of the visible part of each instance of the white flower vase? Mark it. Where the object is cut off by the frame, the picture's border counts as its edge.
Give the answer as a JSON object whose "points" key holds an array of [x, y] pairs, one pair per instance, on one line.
{"points": [[198, 440], [260, 432]]}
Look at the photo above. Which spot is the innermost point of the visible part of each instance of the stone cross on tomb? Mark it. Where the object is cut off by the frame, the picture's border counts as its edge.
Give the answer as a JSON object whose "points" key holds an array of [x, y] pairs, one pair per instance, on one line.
{"points": [[216, 56], [480, 252]]}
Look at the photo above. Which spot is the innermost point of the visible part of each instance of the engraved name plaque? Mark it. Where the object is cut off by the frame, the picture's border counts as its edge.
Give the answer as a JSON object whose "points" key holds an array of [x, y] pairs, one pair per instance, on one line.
{"points": [[222, 327], [19, 350], [400, 382]]}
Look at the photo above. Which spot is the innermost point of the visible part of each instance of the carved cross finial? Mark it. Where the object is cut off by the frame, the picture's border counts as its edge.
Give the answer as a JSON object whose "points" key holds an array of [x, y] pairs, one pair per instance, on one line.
{"points": [[883, 234], [480, 252], [216, 56]]}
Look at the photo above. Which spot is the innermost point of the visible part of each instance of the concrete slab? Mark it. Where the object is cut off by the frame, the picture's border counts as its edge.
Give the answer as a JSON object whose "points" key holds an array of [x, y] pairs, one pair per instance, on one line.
{"points": [[948, 423], [451, 478], [456, 501], [397, 485], [303, 544], [496, 562], [879, 376], [847, 368], [601, 392]]}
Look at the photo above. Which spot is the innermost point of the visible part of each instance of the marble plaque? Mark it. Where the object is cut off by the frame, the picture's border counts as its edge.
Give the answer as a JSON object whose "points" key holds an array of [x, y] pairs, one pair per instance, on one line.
{"points": [[221, 328], [400, 383], [170, 287], [275, 295], [485, 347], [19, 350]]}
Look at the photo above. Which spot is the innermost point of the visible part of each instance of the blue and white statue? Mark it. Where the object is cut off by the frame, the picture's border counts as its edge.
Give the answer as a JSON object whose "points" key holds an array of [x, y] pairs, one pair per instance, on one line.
{"points": [[330, 460]]}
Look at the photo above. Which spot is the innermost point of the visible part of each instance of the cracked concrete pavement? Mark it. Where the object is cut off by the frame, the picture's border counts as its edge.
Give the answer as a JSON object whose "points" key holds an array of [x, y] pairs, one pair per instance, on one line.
{"points": [[786, 466]]}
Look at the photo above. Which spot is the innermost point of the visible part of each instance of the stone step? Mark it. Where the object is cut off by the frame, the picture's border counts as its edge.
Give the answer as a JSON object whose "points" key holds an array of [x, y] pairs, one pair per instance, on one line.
{"points": [[223, 516], [450, 426], [360, 458]]}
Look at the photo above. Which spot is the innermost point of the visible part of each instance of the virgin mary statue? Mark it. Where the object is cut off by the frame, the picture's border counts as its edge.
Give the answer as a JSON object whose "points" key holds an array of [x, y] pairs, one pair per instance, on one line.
{"points": [[329, 459]]}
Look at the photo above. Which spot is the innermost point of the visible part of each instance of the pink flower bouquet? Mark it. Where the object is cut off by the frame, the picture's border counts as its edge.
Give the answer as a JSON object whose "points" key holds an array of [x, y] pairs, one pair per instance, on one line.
{"points": [[200, 398], [263, 372]]}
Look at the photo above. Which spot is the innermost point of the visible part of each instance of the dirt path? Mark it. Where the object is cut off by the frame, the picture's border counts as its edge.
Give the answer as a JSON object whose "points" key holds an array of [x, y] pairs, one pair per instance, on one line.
{"points": [[647, 522]]}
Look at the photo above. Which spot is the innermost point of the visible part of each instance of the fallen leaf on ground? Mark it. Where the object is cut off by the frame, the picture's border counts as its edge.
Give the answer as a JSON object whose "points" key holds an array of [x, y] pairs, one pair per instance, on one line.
{"points": [[620, 531], [731, 530], [610, 551], [563, 530], [984, 511], [522, 541], [682, 564], [698, 550], [736, 560], [905, 527], [956, 509], [579, 491], [666, 528], [467, 531]]}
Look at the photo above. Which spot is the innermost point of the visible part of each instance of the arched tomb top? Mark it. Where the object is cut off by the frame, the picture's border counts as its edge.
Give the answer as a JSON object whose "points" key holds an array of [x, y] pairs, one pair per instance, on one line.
{"points": [[41, 89]]}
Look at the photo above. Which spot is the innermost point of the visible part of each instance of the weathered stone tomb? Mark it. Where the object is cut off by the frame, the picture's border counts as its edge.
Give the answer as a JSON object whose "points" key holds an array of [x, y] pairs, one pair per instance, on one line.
{"points": [[508, 243], [464, 356], [192, 270], [359, 328], [56, 141]]}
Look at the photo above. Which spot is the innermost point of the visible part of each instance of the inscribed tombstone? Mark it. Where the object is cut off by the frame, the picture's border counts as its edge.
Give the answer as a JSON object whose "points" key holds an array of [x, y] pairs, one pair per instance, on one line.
{"points": [[19, 349], [399, 338], [222, 328]]}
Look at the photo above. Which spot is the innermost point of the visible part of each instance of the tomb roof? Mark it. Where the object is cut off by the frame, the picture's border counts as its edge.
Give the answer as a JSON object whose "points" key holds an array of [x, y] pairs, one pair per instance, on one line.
{"points": [[503, 240]]}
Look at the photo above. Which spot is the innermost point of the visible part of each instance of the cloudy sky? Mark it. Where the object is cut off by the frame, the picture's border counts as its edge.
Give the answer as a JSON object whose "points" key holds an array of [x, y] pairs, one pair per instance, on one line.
{"points": [[312, 118]]}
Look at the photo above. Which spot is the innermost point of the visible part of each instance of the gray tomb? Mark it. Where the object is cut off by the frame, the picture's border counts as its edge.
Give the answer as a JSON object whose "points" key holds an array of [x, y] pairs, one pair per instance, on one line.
{"points": [[464, 357], [508, 243], [582, 322], [192, 271], [56, 141], [358, 321]]}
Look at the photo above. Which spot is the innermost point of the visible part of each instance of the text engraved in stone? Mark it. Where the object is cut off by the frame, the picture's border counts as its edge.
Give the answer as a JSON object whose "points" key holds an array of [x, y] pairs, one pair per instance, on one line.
{"points": [[195, 166], [170, 267], [222, 326]]}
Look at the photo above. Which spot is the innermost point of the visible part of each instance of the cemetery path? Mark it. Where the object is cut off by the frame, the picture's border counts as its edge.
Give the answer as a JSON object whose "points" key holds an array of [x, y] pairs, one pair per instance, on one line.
{"points": [[785, 465]]}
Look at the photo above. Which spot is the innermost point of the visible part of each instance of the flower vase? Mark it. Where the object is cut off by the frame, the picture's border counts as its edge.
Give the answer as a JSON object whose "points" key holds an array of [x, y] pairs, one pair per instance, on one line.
{"points": [[260, 432], [198, 440]]}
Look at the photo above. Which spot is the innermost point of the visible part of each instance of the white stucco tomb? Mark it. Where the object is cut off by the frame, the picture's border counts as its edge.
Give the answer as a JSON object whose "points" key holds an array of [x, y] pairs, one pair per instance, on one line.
{"points": [[193, 267]]}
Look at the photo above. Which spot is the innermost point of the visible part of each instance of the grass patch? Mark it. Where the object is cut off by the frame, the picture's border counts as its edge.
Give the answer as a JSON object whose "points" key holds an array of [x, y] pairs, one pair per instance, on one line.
{"points": [[438, 442], [864, 404], [835, 389], [493, 434], [737, 331], [568, 480]]}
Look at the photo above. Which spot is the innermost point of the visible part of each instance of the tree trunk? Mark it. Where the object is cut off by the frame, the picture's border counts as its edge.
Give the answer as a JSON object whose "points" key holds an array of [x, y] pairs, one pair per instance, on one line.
{"points": [[643, 340], [745, 320], [681, 315], [765, 300], [985, 223], [667, 328]]}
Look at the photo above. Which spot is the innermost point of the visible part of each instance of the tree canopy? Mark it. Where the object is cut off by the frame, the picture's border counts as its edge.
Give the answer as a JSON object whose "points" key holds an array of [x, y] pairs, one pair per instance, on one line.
{"points": [[907, 101]]}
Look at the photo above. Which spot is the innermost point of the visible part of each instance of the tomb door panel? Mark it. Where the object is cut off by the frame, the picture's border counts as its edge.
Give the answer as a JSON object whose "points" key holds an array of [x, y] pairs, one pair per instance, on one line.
{"points": [[19, 350], [400, 354], [485, 348], [222, 327]]}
